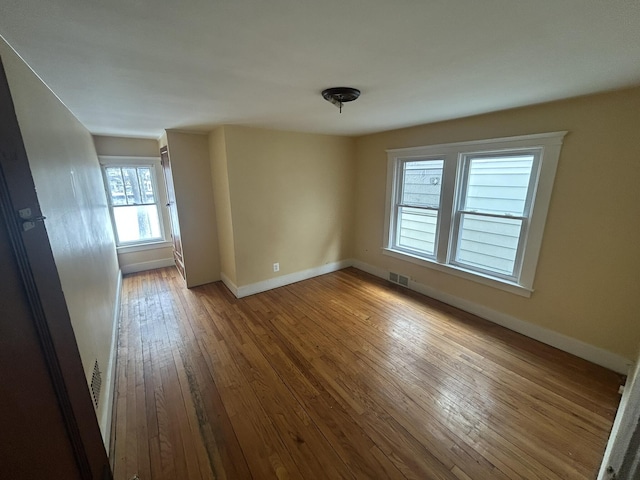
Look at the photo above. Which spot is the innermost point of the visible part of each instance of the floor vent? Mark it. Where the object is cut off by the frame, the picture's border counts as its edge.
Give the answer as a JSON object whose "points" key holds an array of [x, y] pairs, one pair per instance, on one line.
{"points": [[96, 384], [399, 279]]}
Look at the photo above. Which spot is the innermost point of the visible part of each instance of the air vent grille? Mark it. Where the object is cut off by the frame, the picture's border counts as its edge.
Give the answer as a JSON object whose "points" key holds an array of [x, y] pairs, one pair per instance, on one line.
{"points": [[96, 384], [399, 279]]}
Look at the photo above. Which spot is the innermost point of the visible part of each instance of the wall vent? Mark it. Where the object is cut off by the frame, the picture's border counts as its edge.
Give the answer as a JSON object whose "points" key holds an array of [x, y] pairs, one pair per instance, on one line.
{"points": [[399, 279], [96, 384]]}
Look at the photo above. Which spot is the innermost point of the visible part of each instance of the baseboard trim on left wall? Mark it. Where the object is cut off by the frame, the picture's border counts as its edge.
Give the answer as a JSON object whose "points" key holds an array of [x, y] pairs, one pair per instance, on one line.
{"points": [[110, 383], [144, 266]]}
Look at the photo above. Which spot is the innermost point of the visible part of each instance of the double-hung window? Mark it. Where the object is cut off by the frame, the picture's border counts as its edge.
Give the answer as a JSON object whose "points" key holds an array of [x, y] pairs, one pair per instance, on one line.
{"points": [[419, 185], [473, 209], [134, 200]]}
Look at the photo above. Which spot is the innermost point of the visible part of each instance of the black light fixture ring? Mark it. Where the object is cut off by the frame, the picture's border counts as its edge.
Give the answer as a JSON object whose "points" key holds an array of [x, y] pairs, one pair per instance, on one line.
{"points": [[340, 95]]}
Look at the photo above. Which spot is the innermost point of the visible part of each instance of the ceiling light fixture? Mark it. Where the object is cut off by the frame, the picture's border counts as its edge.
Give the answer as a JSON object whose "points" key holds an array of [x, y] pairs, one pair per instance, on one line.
{"points": [[340, 95]]}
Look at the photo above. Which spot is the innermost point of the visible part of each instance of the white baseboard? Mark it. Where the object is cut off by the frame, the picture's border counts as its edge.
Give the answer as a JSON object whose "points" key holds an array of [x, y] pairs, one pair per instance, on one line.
{"points": [[110, 384], [144, 266], [253, 288], [563, 342], [230, 285]]}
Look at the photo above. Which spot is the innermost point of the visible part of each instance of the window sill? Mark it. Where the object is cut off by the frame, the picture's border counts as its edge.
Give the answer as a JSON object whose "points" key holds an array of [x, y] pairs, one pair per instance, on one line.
{"points": [[462, 273], [139, 247]]}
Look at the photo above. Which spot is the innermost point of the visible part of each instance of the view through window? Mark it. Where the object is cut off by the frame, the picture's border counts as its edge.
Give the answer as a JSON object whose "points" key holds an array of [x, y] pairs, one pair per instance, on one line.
{"points": [[134, 203], [469, 207]]}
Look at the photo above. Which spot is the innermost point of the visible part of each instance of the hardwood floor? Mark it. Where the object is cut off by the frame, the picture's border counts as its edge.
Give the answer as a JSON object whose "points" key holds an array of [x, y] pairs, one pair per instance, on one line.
{"points": [[343, 376]]}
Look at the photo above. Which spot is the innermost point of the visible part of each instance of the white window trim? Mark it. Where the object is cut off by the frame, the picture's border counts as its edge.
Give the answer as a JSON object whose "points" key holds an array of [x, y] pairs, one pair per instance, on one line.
{"points": [[453, 153], [464, 160], [108, 160], [139, 247]]}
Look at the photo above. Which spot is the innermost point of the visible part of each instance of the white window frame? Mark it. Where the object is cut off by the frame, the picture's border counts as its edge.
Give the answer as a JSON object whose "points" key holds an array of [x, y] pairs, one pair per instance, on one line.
{"points": [[546, 148], [161, 200], [397, 205]]}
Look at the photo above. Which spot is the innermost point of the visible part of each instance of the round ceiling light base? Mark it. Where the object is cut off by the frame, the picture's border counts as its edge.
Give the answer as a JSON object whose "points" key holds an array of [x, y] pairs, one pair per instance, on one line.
{"points": [[340, 95]]}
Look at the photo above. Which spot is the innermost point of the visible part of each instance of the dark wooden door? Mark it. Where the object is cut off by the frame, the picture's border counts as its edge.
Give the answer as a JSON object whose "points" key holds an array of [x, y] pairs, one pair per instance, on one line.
{"points": [[173, 210], [48, 427]]}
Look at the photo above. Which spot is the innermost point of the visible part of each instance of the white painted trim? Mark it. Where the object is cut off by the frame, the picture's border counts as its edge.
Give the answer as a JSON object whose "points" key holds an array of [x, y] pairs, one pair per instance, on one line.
{"points": [[162, 202], [110, 384], [623, 425], [563, 342], [150, 265], [230, 285], [627, 417], [129, 159], [568, 344], [253, 288], [513, 142], [142, 247], [547, 146]]}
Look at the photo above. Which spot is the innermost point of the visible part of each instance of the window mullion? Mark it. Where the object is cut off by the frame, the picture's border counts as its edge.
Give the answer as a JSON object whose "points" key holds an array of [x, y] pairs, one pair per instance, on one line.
{"points": [[140, 187], [447, 196], [462, 165]]}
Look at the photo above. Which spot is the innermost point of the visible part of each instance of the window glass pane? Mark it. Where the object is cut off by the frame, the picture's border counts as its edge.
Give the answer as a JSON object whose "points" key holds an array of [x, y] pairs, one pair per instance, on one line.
{"points": [[115, 186], [137, 223], [146, 185], [422, 182], [498, 184], [131, 185], [417, 229], [488, 243]]}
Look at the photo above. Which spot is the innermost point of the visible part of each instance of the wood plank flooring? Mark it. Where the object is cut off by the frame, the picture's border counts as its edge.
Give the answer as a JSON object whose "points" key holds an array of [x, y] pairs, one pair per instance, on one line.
{"points": [[343, 376]]}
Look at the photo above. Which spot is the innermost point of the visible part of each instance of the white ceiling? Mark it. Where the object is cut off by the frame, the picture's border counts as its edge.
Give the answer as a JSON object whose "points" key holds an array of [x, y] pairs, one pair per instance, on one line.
{"points": [[136, 67]]}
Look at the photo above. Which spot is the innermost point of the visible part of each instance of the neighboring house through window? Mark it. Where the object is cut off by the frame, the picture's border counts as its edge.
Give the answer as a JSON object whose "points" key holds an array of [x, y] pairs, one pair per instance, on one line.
{"points": [[474, 209], [134, 200]]}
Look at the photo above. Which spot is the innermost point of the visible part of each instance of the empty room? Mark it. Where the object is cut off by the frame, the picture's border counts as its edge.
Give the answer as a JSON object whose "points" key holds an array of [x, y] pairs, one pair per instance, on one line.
{"points": [[253, 240]]}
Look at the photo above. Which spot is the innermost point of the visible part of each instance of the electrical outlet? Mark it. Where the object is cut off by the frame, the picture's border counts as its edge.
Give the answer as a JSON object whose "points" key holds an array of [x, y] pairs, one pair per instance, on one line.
{"points": [[276, 267]]}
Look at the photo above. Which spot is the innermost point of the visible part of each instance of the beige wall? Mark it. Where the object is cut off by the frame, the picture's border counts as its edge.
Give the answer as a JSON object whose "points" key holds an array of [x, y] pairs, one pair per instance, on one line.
{"points": [[291, 197], [587, 280], [222, 198], [68, 181], [148, 259], [126, 146], [189, 154], [132, 260]]}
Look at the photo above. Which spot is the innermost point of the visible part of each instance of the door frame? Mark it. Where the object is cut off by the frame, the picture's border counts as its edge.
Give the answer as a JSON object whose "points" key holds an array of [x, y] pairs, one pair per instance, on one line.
{"points": [[39, 275], [622, 457], [176, 238]]}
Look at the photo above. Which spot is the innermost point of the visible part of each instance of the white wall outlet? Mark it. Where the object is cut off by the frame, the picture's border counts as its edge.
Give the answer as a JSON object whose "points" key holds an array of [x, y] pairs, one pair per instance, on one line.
{"points": [[276, 267]]}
